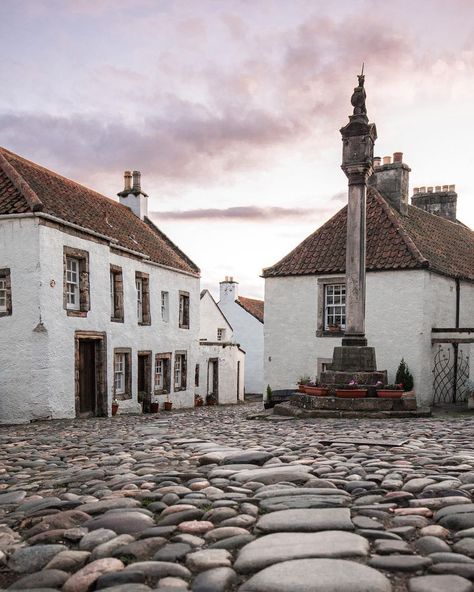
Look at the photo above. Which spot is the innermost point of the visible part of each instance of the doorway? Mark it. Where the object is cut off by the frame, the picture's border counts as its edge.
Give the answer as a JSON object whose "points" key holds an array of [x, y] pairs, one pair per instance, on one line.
{"points": [[238, 381], [213, 378], [91, 375], [144, 380]]}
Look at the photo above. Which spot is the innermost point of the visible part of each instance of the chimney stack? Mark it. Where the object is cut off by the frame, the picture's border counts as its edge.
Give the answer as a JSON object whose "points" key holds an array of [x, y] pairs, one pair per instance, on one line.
{"points": [[391, 180], [132, 195], [228, 290], [440, 200]]}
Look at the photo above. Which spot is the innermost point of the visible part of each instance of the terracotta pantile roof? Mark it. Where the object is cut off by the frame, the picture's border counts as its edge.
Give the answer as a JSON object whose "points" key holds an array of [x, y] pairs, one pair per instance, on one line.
{"points": [[28, 187], [253, 306], [417, 240]]}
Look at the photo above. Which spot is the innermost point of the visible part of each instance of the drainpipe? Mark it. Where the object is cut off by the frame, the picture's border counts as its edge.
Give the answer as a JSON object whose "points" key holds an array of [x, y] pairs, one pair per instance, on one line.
{"points": [[456, 345]]}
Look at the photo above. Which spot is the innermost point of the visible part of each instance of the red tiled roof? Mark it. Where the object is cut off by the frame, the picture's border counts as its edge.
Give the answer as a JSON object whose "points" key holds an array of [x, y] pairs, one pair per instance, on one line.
{"points": [[253, 306], [28, 187], [394, 241]]}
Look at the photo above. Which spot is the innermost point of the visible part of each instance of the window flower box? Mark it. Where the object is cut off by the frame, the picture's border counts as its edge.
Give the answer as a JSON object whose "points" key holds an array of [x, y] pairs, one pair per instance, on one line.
{"points": [[351, 393]]}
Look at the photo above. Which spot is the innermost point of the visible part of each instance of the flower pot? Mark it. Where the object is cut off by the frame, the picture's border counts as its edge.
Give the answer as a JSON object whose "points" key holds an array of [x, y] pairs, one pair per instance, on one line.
{"points": [[351, 393], [302, 388], [317, 391], [168, 405], [154, 407], [198, 403], [211, 402], [387, 394], [115, 407]]}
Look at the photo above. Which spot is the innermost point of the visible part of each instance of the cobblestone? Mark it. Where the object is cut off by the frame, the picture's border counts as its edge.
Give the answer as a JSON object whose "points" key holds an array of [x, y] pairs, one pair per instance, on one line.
{"points": [[206, 499]]}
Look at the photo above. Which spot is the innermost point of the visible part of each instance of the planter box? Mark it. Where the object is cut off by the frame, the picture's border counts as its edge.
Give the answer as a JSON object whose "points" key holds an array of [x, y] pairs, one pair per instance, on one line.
{"points": [[387, 394], [168, 405], [351, 393], [302, 388], [154, 407], [316, 391]]}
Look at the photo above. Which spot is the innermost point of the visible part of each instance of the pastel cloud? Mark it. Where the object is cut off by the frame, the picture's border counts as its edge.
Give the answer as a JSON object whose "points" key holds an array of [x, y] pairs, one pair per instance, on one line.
{"points": [[240, 213]]}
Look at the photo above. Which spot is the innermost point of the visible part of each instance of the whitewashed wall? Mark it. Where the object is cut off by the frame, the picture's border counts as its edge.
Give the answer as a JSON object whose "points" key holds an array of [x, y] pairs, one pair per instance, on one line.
{"points": [[44, 282], [24, 354], [211, 319], [248, 331], [228, 356], [402, 307]]}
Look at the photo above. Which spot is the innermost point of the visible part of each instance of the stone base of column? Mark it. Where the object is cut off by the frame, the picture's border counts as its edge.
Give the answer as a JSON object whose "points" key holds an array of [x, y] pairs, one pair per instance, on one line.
{"points": [[354, 358], [339, 379], [354, 339]]}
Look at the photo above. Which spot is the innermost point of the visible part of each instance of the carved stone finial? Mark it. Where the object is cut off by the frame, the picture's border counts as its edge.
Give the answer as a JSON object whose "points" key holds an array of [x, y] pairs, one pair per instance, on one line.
{"points": [[359, 96]]}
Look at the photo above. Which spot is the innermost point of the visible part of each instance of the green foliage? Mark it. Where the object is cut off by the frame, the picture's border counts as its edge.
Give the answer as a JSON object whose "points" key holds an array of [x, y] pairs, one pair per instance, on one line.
{"points": [[269, 393], [305, 379], [404, 376]]}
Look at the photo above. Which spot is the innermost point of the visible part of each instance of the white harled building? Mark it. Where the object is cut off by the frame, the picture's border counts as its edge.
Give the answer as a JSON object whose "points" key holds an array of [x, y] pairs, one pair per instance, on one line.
{"points": [[96, 303]]}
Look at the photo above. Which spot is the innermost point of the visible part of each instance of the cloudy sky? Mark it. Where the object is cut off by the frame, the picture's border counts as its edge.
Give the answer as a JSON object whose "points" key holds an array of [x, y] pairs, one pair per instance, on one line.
{"points": [[232, 108]]}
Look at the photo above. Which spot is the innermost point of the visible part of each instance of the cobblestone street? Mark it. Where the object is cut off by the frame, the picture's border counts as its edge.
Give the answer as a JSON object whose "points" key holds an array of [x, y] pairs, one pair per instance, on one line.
{"points": [[208, 500]]}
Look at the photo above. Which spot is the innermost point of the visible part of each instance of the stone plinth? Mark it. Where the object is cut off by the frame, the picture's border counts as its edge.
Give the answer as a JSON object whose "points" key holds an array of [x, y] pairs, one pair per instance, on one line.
{"points": [[330, 377], [341, 404], [350, 358]]}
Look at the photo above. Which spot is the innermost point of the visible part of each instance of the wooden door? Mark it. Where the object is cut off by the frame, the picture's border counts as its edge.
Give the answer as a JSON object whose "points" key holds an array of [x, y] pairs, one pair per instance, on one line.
{"points": [[87, 377], [144, 381]]}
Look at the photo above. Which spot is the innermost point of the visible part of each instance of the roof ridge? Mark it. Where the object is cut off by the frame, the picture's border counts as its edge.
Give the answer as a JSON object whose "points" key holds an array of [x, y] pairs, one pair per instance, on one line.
{"points": [[254, 299], [397, 223], [33, 201]]}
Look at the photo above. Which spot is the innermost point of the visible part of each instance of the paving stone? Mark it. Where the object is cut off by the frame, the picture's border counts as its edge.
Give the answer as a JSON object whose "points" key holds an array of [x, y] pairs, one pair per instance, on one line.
{"points": [[399, 562], [122, 523], [430, 544], [31, 559], [69, 560], [317, 575], [159, 569], [439, 584], [83, 579], [274, 474], [208, 559], [47, 578], [219, 579], [95, 538], [278, 547], [306, 520]]}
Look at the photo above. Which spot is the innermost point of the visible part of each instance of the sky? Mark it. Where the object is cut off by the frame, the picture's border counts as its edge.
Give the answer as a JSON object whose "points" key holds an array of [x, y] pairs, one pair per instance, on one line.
{"points": [[231, 109]]}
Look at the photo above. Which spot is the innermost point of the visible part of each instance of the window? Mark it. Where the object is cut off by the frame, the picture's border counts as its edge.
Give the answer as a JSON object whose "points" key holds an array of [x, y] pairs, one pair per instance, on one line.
{"points": [[162, 373], [122, 373], [72, 283], [143, 298], [334, 307], [180, 371], [165, 299], [76, 295], [184, 310], [116, 294], [5, 293], [139, 286], [220, 334]]}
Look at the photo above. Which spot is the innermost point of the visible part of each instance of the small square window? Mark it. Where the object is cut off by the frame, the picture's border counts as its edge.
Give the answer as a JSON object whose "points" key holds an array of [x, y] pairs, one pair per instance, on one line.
{"points": [[220, 334]]}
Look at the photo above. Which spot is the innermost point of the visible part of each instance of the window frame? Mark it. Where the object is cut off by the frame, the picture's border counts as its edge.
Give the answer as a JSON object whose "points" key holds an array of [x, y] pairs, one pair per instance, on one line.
{"points": [[221, 334], [5, 277], [82, 307], [184, 310], [180, 368], [165, 388], [116, 294], [165, 306], [143, 279], [322, 328], [126, 354], [73, 288]]}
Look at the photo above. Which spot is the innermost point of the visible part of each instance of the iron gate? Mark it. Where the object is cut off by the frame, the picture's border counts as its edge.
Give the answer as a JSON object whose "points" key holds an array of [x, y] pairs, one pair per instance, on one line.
{"points": [[450, 375]]}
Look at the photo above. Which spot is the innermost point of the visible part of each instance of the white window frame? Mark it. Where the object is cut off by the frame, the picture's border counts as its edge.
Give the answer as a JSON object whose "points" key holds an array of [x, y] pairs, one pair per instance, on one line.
{"points": [[139, 287], [220, 334], [182, 299], [165, 306], [178, 371], [73, 279], [335, 306], [119, 373], [159, 373], [3, 295]]}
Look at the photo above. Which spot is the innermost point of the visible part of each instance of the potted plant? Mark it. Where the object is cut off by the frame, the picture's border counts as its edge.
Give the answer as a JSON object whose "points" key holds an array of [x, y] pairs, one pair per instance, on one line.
{"points": [[211, 399], [351, 391], [168, 405], [404, 376], [316, 390], [269, 403], [302, 382], [198, 400], [333, 328], [115, 406], [389, 391], [154, 407]]}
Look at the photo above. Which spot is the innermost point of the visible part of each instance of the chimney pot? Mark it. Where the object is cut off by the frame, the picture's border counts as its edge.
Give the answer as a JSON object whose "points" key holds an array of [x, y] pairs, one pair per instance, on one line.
{"points": [[136, 181], [377, 161], [127, 181], [430, 189], [437, 188], [398, 157], [423, 189], [416, 190], [452, 188], [387, 159], [445, 187]]}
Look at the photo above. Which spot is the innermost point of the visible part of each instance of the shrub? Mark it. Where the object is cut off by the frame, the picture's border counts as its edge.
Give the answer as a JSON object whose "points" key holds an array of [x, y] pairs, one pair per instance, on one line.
{"points": [[404, 376]]}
